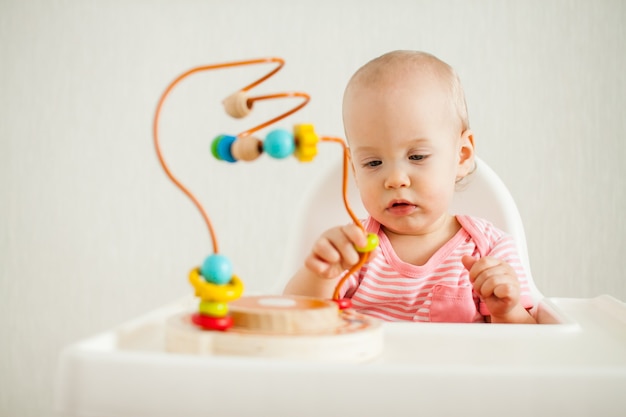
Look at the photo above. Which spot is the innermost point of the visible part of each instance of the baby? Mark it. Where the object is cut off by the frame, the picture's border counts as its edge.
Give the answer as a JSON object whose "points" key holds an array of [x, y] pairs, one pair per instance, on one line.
{"points": [[406, 123]]}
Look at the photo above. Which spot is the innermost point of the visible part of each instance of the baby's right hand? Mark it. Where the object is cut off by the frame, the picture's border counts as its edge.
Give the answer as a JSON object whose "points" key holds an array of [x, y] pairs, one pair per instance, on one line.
{"points": [[335, 251]]}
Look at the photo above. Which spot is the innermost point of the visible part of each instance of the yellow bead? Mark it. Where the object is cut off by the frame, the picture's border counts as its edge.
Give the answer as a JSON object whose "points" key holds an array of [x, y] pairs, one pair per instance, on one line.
{"points": [[213, 308], [372, 242], [208, 291], [306, 154], [306, 137], [306, 142]]}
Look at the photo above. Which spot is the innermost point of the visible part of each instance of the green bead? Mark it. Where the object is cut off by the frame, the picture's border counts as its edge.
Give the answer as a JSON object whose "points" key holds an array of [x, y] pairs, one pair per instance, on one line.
{"points": [[214, 144], [213, 308]]}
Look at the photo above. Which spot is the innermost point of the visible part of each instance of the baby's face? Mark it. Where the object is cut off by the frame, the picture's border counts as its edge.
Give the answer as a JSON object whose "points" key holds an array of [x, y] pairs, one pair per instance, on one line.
{"points": [[406, 148]]}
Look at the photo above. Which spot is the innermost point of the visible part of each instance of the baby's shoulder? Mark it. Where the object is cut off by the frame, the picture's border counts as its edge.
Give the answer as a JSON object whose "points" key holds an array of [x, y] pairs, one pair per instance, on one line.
{"points": [[482, 231], [477, 223]]}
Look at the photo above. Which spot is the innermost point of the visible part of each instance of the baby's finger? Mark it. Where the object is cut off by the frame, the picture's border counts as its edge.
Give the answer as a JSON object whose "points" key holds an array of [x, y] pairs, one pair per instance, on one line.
{"points": [[468, 262], [355, 235], [325, 250], [505, 290], [485, 285], [481, 269], [345, 241], [497, 282], [488, 278], [341, 240], [317, 265]]}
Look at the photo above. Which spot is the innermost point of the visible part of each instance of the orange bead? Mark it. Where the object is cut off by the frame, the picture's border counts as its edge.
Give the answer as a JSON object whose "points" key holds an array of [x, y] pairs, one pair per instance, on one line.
{"points": [[247, 148]]}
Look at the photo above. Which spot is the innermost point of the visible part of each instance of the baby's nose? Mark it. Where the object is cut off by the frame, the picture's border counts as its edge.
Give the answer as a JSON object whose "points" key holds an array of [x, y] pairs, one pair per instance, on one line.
{"points": [[397, 178]]}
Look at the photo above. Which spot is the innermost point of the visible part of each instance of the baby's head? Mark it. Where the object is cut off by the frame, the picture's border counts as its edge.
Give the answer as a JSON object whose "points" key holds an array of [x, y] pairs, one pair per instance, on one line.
{"points": [[406, 122], [406, 70]]}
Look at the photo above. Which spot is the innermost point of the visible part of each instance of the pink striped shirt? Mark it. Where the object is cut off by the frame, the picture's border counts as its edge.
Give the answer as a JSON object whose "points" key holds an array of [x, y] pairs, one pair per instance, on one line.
{"points": [[438, 291]]}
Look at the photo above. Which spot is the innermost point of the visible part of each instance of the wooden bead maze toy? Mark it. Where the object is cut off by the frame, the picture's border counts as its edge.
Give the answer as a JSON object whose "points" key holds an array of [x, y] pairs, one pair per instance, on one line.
{"points": [[267, 326]]}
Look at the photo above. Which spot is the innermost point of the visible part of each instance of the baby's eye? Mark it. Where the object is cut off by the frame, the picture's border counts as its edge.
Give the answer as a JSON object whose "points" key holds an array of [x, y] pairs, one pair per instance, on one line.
{"points": [[417, 157], [372, 164]]}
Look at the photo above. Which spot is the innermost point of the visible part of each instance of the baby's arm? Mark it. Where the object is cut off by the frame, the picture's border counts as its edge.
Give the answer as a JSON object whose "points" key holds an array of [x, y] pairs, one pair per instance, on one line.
{"points": [[497, 284], [332, 253]]}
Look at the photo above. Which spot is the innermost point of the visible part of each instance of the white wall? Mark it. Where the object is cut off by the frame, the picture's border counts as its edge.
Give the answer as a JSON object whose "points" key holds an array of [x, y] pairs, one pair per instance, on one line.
{"points": [[92, 233]]}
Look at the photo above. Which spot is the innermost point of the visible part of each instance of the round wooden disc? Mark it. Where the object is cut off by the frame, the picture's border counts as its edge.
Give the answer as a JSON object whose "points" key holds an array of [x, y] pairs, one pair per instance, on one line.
{"points": [[284, 314], [347, 337]]}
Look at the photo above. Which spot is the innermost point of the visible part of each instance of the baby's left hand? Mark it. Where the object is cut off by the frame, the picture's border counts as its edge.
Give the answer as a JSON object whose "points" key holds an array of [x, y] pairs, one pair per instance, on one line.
{"points": [[496, 282]]}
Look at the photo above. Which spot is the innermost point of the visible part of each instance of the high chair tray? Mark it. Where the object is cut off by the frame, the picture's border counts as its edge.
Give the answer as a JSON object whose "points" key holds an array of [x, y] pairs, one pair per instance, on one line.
{"points": [[574, 364]]}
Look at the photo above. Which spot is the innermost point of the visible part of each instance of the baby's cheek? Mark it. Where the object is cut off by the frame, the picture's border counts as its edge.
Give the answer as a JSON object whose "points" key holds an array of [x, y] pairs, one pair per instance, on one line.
{"points": [[371, 202]]}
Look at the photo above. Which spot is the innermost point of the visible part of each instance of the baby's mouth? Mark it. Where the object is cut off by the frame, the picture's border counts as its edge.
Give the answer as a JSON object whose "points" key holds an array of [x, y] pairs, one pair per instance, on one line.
{"points": [[400, 203], [401, 207]]}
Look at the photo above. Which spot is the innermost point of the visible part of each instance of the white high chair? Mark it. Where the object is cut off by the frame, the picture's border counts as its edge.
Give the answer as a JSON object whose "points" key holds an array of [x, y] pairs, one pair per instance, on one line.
{"points": [[482, 194], [574, 364]]}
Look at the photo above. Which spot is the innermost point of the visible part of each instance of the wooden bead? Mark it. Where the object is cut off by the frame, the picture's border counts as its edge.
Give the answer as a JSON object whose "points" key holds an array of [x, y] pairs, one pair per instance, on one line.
{"points": [[247, 148], [236, 105]]}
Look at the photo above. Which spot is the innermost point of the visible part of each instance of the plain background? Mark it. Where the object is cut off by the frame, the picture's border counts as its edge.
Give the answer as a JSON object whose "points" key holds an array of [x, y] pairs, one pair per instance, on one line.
{"points": [[92, 233]]}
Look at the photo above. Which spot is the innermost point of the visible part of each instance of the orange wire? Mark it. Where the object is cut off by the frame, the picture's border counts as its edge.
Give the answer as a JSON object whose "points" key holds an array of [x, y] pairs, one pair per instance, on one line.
{"points": [[251, 100], [280, 62], [344, 189], [155, 128]]}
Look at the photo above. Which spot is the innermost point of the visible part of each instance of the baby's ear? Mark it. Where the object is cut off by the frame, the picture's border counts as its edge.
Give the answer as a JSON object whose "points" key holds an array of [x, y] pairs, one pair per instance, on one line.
{"points": [[466, 153]]}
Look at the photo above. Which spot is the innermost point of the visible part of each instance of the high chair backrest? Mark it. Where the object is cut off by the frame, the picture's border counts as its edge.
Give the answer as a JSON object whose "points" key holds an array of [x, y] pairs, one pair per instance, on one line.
{"points": [[482, 194]]}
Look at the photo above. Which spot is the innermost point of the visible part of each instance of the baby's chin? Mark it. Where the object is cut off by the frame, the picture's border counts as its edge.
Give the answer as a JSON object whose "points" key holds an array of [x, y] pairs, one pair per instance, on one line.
{"points": [[409, 225], [401, 230]]}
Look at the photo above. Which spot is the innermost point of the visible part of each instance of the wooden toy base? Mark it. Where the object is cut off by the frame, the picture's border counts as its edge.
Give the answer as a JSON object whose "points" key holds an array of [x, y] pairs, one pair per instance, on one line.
{"points": [[282, 326]]}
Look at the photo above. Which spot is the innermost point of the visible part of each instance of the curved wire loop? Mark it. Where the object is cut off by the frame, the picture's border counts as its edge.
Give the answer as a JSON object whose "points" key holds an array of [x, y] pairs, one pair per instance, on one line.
{"points": [[155, 127], [363, 257], [279, 62]]}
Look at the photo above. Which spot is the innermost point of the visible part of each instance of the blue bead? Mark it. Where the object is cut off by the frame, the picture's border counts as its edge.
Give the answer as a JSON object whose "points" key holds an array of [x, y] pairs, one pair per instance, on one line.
{"points": [[217, 269], [279, 144], [223, 148]]}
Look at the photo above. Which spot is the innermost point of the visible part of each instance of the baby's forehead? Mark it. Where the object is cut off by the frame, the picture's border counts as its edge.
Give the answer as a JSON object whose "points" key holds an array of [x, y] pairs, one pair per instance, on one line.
{"points": [[402, 67], [405, 73]]}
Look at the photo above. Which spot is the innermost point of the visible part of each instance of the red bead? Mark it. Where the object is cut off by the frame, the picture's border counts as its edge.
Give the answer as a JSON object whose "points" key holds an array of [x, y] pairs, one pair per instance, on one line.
{"points": [[212, 323], [344, 303]]}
